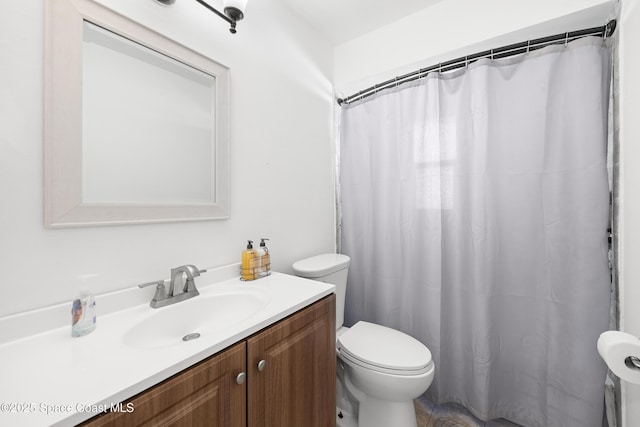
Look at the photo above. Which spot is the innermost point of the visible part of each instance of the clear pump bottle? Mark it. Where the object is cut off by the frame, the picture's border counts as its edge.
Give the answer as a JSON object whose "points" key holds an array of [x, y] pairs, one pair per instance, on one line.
{"points": [[264, 259], [83, 314]]}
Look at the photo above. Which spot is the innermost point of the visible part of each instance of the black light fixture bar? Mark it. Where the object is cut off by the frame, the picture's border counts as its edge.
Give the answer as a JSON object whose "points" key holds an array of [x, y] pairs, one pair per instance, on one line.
{"points": [[501, 52], [231, 14], [231, 21]]}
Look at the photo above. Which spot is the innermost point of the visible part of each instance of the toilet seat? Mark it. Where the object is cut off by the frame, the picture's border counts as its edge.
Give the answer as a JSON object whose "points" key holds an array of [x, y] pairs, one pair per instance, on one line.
{"points": [[383, 349]]}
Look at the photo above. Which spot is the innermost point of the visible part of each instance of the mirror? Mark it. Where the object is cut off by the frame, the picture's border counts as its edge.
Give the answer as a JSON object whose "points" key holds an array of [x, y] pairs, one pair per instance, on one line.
{"points": [[136, 125]]}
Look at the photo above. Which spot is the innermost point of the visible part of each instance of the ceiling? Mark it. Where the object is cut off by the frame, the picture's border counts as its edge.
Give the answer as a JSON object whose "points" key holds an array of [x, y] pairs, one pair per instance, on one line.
{"points": [[343, 20]]}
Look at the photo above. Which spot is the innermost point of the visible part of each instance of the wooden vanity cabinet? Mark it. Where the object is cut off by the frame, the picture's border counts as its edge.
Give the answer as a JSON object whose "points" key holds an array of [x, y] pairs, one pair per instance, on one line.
{"points": [[206, 394], [292, 370], [290, 381]]}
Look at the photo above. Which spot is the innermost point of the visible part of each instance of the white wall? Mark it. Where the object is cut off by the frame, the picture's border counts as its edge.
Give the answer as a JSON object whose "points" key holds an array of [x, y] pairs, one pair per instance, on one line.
{"points": [[281, 156], [442, 32], [630, 194]]}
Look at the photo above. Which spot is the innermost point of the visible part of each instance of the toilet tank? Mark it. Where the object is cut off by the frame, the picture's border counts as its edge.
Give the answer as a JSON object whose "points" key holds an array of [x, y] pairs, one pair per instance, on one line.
{"points": [[328, 268]]}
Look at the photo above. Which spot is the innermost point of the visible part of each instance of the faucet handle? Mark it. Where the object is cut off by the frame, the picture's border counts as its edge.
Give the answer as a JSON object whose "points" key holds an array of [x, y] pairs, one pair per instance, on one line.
{"points": [[157, 282], [161, 292]]}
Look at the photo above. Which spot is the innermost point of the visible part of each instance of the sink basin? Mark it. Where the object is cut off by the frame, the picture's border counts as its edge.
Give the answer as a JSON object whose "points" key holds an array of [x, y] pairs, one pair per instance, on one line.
{"points": [[204, 314]]}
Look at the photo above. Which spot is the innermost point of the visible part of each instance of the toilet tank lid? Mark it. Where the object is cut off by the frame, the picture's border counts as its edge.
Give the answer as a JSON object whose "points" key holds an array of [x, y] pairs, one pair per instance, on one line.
{"points": [[321, 265]]}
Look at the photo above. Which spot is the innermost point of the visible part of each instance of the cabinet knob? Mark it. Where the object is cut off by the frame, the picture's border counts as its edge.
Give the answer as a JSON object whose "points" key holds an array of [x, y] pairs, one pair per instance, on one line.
{"points": [[241, 378], [261, 365]]}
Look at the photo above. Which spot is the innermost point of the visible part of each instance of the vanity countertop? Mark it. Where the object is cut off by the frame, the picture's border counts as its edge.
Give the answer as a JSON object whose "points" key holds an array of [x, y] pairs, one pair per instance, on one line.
{"points": [[52, 379]]}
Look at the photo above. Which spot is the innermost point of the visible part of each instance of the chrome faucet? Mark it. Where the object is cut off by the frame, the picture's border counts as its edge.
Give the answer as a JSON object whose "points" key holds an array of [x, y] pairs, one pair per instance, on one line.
{"points": [[163, 298]]}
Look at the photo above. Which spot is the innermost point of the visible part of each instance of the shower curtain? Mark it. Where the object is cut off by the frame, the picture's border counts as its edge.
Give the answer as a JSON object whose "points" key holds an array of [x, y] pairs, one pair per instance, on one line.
{"points": [[475, 208]]}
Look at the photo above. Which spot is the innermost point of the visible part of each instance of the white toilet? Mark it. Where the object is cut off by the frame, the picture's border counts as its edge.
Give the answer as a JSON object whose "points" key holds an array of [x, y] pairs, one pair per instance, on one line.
{"points": [[382, 369]]}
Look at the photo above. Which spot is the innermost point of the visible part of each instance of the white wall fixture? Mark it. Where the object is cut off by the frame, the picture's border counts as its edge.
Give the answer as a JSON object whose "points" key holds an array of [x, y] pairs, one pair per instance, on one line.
{"points": [[136, 125]]}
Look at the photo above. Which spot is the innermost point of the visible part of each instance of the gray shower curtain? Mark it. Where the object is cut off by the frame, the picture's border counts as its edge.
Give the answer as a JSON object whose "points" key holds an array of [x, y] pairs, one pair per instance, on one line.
{"points": [[475, 210]]}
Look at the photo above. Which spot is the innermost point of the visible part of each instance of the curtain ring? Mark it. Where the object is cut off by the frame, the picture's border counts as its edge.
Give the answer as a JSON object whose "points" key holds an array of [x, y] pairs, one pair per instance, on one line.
{"points": [[492, 54], [528, 44], [466, 62], [440, 68], [566, 39]]}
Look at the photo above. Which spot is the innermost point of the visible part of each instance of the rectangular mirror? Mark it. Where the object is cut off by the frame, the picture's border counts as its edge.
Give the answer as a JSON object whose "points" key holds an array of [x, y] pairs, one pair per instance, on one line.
{"points": [[136, 125]]}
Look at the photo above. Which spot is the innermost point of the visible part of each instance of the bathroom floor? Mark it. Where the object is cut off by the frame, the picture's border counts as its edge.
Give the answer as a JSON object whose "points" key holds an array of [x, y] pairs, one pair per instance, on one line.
{"points": [[451, 415]]}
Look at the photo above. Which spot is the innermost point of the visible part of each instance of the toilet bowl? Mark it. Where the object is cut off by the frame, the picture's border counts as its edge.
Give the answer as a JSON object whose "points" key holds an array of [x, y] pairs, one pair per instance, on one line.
{"points": [[380, 370]]}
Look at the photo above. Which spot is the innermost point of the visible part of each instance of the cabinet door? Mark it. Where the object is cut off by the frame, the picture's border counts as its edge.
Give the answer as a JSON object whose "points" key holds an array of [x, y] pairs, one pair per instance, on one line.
{"points": [[205, 395], [295, 386]]}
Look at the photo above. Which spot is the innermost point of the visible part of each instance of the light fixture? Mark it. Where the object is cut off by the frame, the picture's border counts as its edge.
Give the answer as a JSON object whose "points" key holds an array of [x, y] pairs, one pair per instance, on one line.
{"points": [[233, 10]]}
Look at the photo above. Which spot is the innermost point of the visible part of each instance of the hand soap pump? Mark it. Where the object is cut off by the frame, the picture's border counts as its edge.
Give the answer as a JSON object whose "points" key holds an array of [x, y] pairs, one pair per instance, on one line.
{"points": [[83, 314], [249, 262], [264, 259]]}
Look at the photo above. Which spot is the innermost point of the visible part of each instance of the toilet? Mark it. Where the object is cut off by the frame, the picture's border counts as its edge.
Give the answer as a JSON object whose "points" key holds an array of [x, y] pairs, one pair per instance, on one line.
{"points": [[380, 370]]}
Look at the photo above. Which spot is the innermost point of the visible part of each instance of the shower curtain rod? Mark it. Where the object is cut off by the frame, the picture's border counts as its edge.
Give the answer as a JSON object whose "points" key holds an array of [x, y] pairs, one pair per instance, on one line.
{"points": [[500, 52]]}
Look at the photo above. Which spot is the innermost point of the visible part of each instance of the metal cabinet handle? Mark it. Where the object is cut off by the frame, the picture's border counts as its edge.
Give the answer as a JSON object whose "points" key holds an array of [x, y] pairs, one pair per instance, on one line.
{"points": [[261, 365], [240, 379]]}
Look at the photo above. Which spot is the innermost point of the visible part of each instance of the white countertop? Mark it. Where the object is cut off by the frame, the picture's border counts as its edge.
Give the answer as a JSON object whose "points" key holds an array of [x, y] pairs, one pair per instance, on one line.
{"points": [[52, 379]]}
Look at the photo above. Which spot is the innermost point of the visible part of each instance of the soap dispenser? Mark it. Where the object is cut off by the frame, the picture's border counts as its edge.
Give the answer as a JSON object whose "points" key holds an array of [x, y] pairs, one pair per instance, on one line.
{"points": [[264, 259], [248, 269], [83, 314]]}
